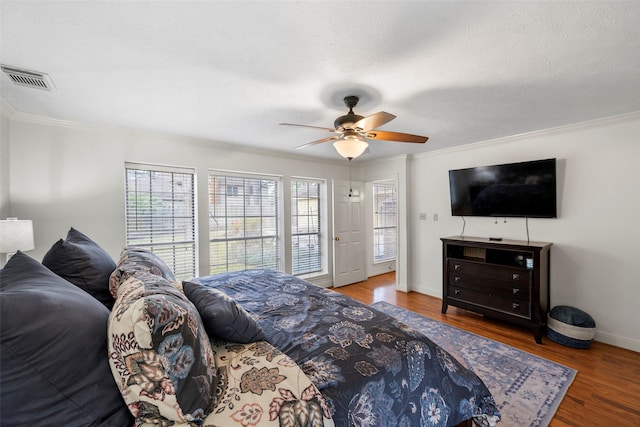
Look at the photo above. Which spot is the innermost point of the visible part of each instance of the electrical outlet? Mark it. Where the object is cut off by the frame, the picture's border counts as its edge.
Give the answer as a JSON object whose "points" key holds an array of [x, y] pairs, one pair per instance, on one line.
{"points": [[423, 216], [435, 216]]}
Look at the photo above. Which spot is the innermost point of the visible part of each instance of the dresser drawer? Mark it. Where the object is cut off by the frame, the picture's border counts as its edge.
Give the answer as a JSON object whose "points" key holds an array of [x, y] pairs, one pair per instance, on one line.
{"points": [[494, 302], [521, 291], [495, 273]]}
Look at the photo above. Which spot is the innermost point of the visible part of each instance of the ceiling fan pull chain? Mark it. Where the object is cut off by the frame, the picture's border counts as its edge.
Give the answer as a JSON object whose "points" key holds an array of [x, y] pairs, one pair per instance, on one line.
{"points": [[350, 186]]}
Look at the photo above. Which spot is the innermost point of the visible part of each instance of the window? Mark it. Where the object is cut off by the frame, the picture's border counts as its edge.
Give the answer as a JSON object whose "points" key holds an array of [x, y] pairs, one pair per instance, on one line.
{"points": [[160, 214], [243, 222], [385, 223], [306, 240]]}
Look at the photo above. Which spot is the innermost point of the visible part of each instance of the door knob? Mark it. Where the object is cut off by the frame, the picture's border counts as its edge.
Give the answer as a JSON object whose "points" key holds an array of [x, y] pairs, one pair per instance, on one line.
{"points": [[336, 238]]}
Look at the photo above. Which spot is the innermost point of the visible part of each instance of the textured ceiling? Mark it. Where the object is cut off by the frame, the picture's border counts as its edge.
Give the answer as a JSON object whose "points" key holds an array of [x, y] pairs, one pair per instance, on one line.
{"points": [[458, 72]]}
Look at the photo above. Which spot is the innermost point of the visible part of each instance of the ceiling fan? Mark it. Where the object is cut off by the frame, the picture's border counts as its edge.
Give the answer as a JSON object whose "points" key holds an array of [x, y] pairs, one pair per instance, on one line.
{"points": [[352, 130]]}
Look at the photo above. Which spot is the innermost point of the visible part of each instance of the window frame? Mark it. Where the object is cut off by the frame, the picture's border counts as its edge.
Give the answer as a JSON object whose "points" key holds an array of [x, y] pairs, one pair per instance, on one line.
{"points": [[377, 217], [251, 197], [321, 205], [182, 267]]}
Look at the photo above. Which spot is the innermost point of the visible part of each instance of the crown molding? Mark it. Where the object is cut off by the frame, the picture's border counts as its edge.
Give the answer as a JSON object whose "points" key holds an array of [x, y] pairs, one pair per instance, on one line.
{"points": [[49, 121], [9, 111], [19, 116], [626, 117], [6, 109], [403, 157]]}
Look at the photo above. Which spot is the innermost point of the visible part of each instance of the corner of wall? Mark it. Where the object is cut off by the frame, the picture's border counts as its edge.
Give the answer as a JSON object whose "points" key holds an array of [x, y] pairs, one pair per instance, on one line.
{"points": [[4, 164]]}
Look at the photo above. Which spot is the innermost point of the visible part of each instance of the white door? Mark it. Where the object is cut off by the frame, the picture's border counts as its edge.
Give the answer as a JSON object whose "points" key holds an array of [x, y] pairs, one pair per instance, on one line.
{"points": [[348, 233]]}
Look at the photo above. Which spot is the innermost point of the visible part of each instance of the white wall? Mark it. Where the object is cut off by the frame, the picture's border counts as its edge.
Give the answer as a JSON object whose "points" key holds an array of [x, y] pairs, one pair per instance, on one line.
{"points": [[66, 174], [595, 238]]}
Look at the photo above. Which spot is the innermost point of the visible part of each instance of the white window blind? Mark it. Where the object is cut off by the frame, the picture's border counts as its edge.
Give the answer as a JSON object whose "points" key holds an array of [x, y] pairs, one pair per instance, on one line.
{"points": [[160, 214], [243, 222], [305, 226], [385, 223]]}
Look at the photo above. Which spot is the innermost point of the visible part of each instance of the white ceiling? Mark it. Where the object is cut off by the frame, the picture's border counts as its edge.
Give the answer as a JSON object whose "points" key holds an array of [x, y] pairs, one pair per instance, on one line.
{"points": [[230, 71]]}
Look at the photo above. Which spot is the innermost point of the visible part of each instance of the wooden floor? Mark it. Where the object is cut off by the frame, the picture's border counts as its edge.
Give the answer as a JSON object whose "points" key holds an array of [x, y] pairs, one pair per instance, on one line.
{"points": [[606, 391]]}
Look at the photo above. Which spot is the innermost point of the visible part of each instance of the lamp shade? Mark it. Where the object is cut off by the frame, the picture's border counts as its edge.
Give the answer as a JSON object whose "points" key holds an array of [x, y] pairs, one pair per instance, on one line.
{"points": [[350, 147], [16, 235]]}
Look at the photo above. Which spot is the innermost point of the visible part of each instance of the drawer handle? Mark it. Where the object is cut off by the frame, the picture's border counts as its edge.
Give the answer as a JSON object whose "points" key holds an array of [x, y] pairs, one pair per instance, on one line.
{"points": [[456, 279], [457, 291], [516, 276], [516, 291], [457, 266], [515, 306]]}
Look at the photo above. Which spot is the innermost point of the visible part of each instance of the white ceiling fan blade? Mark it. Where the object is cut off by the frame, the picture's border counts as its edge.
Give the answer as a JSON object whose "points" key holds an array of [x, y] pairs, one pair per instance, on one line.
{"points": [[395, 136], [373, 121], [319, 141], [307, 126]]}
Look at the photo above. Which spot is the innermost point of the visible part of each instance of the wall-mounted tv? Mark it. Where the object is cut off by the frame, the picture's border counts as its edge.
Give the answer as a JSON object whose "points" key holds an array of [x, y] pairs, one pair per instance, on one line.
{"points": [[526, 189]]}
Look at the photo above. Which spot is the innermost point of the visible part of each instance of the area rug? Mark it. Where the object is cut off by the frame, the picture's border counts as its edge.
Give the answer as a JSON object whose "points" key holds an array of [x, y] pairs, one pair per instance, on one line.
{"points": [[527, 388]]}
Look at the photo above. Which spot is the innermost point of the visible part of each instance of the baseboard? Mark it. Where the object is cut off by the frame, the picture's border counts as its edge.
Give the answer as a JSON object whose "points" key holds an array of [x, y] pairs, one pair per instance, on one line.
{"points": [[615, 340], [433, 292], [603, 337], [326, 281], [381, 268]]}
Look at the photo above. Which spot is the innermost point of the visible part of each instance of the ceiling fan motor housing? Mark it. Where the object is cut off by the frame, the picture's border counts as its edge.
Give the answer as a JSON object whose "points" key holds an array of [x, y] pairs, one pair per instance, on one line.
{"points": [[345, 122]]}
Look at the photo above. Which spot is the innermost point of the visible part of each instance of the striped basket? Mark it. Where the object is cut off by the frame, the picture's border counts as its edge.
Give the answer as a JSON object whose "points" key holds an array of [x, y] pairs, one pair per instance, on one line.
{"points": [[570, 326]]}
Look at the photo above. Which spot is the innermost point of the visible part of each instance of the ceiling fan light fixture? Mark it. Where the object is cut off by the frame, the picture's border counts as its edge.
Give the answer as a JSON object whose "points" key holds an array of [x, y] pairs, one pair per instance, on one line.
{"points": [[351, 146], [351, 130]]}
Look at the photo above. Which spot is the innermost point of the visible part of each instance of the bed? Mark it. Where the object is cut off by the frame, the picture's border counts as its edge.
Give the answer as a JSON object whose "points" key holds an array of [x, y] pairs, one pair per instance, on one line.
{"points": [[370, 368], [250, 348]]}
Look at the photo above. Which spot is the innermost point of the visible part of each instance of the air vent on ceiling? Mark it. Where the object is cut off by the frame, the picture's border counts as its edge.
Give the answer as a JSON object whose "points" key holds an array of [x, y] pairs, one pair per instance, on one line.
{"points": [[28, 78]]}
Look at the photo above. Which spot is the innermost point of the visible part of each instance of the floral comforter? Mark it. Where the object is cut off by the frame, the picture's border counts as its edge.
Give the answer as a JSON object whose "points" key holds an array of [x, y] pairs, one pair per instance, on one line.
{"points": [[371, 369]]}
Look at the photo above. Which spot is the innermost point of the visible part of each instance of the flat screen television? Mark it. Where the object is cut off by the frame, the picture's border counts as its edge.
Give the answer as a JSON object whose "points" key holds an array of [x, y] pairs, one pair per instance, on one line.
{"points": [[526, 189]]}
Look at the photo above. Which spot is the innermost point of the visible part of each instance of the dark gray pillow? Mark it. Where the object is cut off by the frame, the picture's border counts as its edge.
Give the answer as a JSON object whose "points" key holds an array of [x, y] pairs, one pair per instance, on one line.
{"points": [[53, 348], [223, 318], [84, 263]]}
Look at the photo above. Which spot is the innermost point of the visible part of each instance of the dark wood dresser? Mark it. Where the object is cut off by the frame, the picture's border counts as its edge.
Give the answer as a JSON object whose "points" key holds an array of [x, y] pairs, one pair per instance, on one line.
{"points": [[506, 279]]}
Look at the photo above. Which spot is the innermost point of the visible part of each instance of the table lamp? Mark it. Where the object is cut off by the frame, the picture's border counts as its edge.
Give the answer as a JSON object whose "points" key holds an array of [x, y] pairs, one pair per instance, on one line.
{"points": [[15, 235]]}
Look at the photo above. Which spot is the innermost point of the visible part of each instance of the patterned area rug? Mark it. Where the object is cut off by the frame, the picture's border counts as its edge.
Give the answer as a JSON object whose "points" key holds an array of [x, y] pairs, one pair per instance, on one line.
{"points": [[527, 389]]}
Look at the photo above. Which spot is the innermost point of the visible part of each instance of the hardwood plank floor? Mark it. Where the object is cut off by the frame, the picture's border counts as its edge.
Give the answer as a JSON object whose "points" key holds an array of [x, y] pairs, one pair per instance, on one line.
{"points": [[606, 391]]}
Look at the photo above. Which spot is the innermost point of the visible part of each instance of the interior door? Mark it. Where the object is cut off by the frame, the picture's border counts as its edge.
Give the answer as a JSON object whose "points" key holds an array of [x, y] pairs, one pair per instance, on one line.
{"points": [[349, 252]]}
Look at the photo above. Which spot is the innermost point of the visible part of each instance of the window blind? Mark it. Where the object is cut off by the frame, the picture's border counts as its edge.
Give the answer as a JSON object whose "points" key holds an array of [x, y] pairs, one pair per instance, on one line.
{"points": [[385, 223], [160, 214], [306, 248], [243, 222]]}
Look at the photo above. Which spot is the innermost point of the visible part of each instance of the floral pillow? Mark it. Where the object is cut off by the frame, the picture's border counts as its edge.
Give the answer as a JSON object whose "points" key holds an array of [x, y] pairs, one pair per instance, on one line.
{"points": [[135, 261], [261, 386], [160, 354]]}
